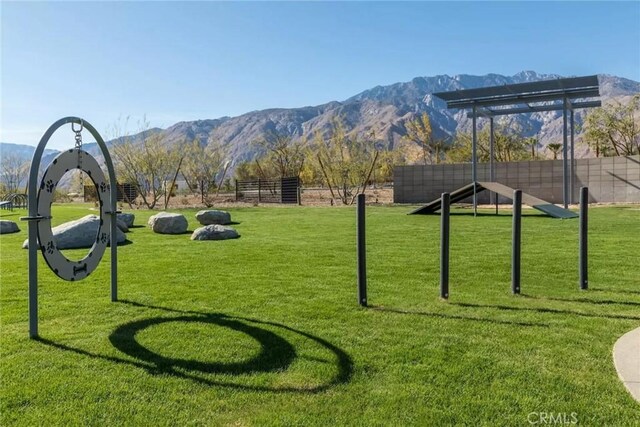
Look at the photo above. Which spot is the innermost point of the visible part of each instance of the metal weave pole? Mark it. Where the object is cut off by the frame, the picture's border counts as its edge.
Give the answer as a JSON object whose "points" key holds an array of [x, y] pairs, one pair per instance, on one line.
{"points": [[583, 237], [445, 210], [516, 240], [362, 250]]}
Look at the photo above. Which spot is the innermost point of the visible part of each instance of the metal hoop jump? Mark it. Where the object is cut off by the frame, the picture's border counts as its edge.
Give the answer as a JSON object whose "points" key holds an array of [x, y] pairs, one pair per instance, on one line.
{"points": [[40, 209], [62, 266]]}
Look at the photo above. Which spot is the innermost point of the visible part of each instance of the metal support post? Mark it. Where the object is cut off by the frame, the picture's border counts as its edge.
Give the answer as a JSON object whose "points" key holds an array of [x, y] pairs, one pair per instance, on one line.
{"points": [[515, 249], [474, 161], [572, 171], [444, 245], [259, 190], [33, 260], [565, 170], [114, 247], [492, 155], [583, 245], [362, 251]]}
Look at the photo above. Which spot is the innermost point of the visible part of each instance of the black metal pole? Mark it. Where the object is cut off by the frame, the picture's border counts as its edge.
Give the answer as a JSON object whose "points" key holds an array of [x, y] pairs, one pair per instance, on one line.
{"points": [[565, 167], [515, 250], [444, 245], [362, 251], [584, 247]]}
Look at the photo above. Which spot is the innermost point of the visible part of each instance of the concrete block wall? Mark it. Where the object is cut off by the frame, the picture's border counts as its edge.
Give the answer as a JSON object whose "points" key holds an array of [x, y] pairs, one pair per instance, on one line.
{"points": [[610, 179]]}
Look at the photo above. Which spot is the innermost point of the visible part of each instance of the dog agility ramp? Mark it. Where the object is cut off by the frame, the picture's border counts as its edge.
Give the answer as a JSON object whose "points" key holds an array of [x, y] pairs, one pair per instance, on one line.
{"points": [[501, 189]]}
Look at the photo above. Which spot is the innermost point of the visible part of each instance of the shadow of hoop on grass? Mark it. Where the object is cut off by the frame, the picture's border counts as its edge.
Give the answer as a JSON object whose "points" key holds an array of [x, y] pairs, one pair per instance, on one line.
{"points": [[276, 353]]}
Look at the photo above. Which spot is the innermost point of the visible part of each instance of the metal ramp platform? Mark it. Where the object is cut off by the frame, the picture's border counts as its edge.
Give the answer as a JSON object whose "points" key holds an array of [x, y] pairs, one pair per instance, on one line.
{"points": [[501, 189]]}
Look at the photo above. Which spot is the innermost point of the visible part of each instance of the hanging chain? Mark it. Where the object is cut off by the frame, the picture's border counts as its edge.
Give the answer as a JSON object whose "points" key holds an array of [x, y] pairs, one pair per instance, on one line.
{"points": [[78, 147]]}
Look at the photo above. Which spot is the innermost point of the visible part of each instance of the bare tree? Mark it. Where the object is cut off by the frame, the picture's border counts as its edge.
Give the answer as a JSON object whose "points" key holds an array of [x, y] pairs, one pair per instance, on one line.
{"points": [[13, 172], [202, 163], [147, 163], [346, 163], [419, 132], [287, 157], [555, 148]]}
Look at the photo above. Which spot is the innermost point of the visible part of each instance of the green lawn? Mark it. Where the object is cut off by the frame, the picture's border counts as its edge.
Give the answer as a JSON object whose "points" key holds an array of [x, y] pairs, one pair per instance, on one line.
{"points": [[266, 330]]}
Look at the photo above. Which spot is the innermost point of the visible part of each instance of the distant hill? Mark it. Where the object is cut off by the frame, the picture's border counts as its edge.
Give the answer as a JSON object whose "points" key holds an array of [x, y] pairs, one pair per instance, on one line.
{"points": [[382, 109], [22, 151]]}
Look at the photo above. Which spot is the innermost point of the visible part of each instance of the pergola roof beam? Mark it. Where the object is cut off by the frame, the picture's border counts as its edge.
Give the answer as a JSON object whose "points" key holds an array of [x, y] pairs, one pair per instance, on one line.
{"points": [[523, 98], [486, 112], [554, 85]]}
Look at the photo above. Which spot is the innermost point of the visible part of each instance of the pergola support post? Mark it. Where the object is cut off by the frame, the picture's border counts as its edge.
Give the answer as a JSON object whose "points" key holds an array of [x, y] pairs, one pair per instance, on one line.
{"points": [[492, 155], [474, 161], [572, 171]]}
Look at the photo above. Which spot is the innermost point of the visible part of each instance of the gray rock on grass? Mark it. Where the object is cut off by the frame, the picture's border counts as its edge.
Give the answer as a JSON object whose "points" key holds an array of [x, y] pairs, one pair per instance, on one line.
{"points": [[168, 223], [80, 233], [127, 218], [208, 217], [214, 232], [7, 227], [122, 226]]}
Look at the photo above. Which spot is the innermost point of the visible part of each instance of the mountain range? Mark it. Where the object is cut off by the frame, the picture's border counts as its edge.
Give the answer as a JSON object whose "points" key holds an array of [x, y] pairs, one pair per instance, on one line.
{"points": [[383, 110]]}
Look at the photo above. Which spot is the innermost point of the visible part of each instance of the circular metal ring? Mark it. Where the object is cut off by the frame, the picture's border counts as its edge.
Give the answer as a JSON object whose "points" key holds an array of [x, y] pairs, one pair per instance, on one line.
{"points": [[62, 266]]}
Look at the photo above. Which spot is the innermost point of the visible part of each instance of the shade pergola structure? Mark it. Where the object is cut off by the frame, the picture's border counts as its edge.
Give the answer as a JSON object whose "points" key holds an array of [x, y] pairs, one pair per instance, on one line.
{"points": [[566, 95]]}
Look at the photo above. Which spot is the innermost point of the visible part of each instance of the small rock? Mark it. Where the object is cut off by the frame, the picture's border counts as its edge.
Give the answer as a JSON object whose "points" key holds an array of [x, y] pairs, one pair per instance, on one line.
{"points": [[214, 232], [127, 218], [80, 233], [208, 217], [168, 223], [7, 227]]}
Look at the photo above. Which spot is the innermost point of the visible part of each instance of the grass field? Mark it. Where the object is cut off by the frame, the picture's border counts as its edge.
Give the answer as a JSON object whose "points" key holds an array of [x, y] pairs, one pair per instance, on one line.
{"points": [[266, 330]]}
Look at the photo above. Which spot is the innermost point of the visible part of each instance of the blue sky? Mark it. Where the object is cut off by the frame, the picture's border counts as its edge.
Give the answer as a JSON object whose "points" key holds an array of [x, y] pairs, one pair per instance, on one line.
{"points": [[175, 61]]}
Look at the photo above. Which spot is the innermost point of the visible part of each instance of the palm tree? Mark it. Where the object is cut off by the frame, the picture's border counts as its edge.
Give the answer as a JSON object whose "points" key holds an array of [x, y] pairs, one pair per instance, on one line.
{"points": [[555, 149]]}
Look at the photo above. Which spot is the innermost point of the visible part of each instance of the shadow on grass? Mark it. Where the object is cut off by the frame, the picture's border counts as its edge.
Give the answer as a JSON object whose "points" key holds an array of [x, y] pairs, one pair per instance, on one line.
{"points": [[276, 353], [501, 214], [547, 310], [457, 317], [588, 301], [615, 291]]}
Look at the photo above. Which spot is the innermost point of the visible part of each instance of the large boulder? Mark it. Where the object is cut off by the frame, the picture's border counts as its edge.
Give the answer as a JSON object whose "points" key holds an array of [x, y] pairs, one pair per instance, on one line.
{"points": [[214, 232], [80, 233], [122, 226], [208, 217], [7, 227], [168, 223], [127, 218]]}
